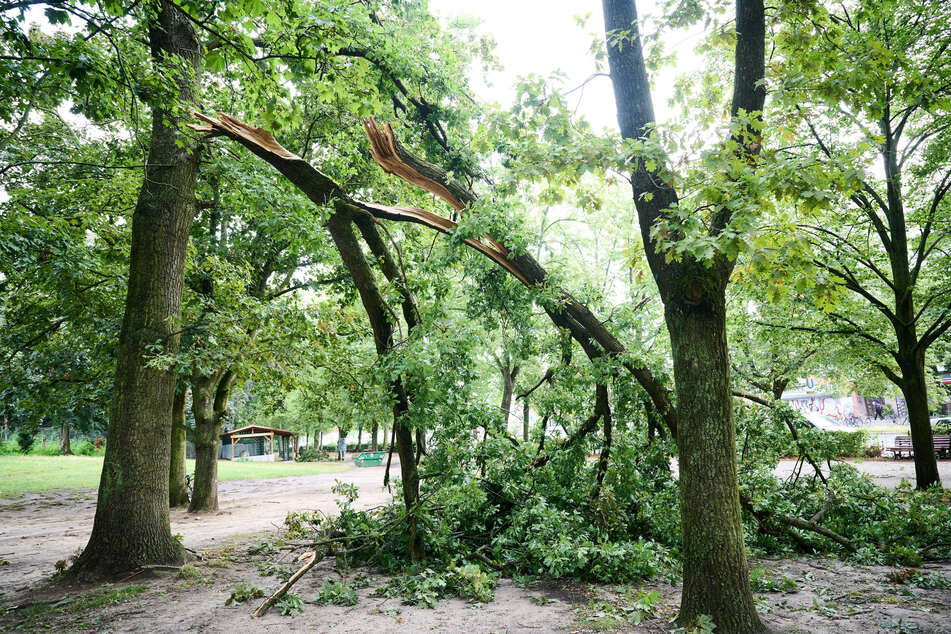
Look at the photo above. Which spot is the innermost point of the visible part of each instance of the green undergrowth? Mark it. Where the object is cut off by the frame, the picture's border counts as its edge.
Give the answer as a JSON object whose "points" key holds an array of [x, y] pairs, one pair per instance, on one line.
{"points": [[42, 616], [493, 510]]}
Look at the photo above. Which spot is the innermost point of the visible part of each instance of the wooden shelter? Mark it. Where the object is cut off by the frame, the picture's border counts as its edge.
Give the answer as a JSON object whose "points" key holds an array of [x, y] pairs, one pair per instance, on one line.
{"points": [[263, 443]]}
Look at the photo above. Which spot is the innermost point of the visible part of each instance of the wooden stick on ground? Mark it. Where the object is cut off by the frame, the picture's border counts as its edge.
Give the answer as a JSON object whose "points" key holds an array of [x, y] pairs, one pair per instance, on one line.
{"points": [[311, 557]]}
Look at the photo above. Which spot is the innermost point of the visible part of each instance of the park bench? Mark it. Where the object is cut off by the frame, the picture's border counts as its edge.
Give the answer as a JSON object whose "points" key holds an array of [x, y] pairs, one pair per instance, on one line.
{"points": [[902, 446], [370, 458], [942, 446]]}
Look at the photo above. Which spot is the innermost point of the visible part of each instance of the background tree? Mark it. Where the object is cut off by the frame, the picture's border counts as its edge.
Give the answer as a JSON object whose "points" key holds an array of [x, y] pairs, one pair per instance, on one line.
{"points": [[871, 100]]}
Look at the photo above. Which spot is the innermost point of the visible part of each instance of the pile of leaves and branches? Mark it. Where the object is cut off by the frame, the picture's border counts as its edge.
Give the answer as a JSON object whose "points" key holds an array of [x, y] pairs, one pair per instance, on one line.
{"points": [[494, 508], [835, 510]]}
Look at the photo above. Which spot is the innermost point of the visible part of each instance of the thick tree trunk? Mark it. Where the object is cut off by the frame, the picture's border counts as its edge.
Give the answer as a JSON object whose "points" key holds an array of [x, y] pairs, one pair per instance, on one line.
{"points": [[716, 576], [915, 390], [64, 447], [207, 430], [131, 526], [209, 403], [376, 430], [177, 487]]}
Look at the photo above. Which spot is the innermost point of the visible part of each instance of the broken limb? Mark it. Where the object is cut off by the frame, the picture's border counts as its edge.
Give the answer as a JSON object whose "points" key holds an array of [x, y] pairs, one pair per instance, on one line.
{"points": [[764, 517], [566, 312], [311, 557]]}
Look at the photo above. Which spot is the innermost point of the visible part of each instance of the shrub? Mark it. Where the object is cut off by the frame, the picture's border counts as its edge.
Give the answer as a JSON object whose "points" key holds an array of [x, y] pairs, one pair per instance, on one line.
{"points": [[244, 592], [87, 448], [307, 454], [290, 604], [873, 451], [25, 440], [337, 593]]}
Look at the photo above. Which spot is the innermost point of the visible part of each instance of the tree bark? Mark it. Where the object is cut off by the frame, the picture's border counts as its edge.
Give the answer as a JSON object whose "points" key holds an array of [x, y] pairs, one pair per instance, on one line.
{"points": [[375, 431], [177, 487], [209, 403], [716, 576], [131, 527], [64, 447], [526, 411], [915, 390]]}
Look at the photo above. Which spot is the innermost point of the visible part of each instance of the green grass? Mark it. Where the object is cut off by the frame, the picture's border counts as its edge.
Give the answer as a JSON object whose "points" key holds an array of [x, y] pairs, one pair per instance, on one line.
{"points": [[34, 474]]}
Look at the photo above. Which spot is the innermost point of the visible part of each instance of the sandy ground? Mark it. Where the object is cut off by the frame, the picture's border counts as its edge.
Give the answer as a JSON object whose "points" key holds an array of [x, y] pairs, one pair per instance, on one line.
{"points": [[39, 530]]}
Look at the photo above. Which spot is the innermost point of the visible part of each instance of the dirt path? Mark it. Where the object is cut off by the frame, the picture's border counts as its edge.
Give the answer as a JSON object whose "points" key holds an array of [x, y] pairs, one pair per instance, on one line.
{"points": [[39, 530], [820, 595]]}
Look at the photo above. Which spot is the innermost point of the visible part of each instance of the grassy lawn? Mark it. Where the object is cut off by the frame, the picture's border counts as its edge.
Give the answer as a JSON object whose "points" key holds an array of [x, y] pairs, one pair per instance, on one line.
{"points": [[33, 474]]}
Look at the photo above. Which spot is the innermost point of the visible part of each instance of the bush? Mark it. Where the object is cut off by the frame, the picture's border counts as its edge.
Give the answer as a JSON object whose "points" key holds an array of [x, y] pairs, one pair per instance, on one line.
{"points": [[844, 444], [873, 451], [337, 593], [87, 448], [307, 454], [25, 441]]}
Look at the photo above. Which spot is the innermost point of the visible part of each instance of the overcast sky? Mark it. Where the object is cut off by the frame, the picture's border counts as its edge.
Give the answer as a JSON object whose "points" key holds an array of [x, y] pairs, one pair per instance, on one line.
{"points": [[541, 36]]}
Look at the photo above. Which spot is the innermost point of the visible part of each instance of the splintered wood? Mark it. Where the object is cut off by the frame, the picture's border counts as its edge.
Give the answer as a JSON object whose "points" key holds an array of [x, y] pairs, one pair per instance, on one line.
{"points": [[322, 189], [384, 148], [239, 130]]}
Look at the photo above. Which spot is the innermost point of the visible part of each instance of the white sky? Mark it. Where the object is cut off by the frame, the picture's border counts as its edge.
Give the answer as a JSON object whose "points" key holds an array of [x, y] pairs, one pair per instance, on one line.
{"points": [[541, 36]]}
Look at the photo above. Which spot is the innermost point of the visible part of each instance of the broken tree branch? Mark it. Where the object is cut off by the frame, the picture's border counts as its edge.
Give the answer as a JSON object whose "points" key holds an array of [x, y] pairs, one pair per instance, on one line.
{"points": [[311, 557]]}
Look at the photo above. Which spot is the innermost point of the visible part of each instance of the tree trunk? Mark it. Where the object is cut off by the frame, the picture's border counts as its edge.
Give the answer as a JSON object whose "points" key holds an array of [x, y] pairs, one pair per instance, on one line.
{"points": [[177, 487], [207, 430], [209, 403], [376, 430], [64, 447], [359, 438], [716, 575], [420, 443], [526, 410], [508, 386], [604, 405], [131, 527], [915, 390]]}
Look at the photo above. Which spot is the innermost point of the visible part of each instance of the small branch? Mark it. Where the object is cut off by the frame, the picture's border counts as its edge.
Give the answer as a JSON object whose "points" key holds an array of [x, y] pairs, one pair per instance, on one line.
{"points": [[311, 557]]}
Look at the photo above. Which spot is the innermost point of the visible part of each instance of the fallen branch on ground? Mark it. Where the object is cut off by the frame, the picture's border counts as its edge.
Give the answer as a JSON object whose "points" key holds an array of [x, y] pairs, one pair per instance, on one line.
{"points": [[312, 558], [763, 516]]}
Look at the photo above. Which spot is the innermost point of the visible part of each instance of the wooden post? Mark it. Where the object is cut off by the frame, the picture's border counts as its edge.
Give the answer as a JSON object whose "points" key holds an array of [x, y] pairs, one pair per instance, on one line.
{"points": [[272, 445], [233, 457]]}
